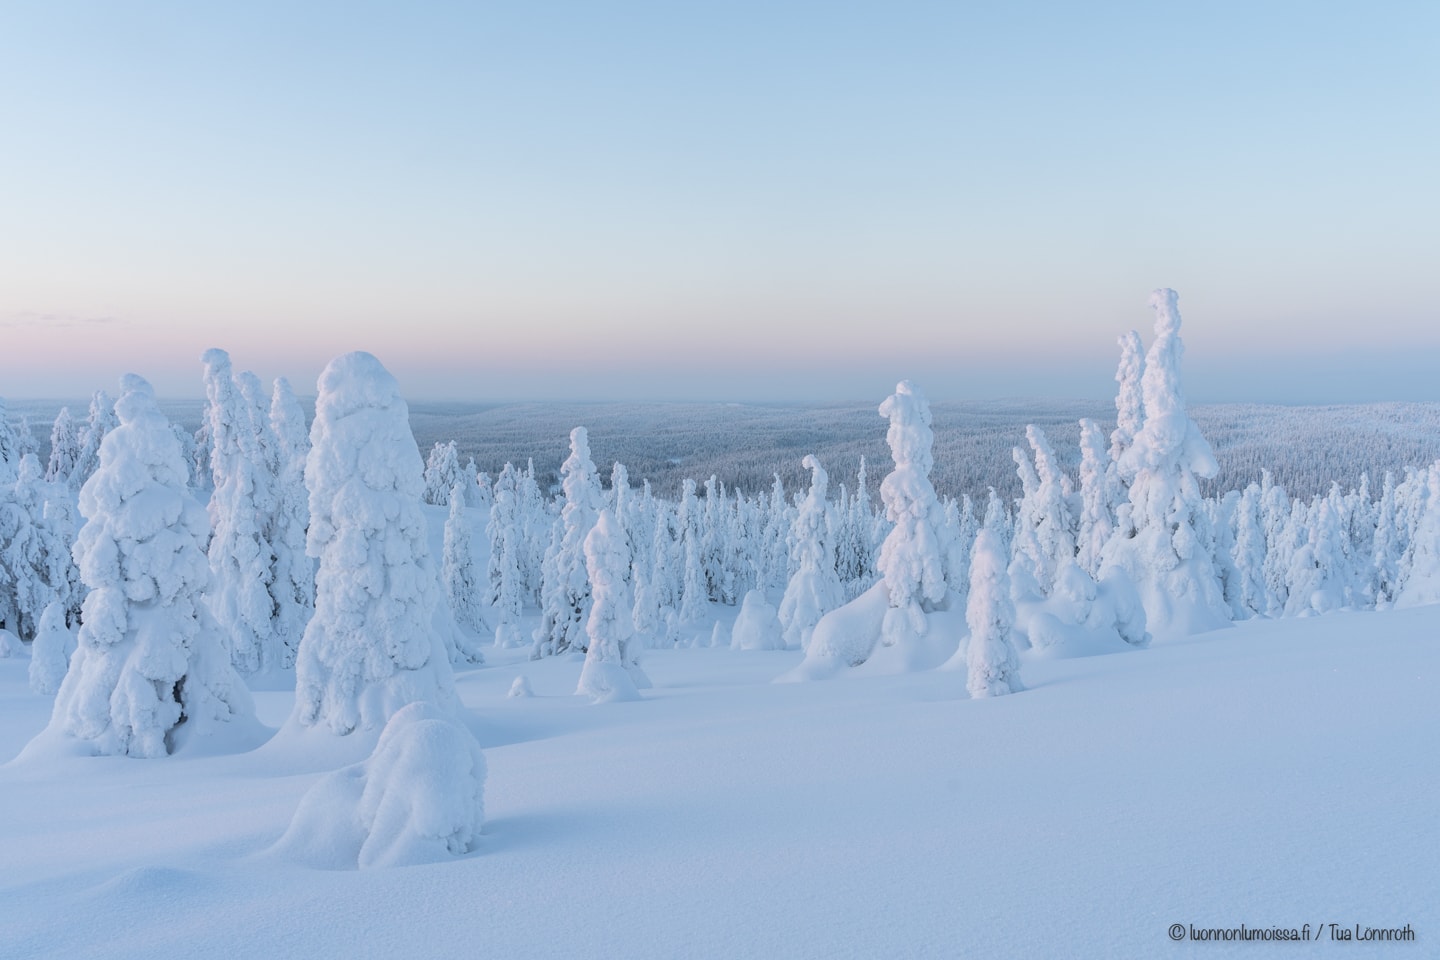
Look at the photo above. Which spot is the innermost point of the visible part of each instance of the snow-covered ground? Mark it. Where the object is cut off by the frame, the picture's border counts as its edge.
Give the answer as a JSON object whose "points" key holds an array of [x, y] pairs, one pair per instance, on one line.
{"points": [[1275, 774]]}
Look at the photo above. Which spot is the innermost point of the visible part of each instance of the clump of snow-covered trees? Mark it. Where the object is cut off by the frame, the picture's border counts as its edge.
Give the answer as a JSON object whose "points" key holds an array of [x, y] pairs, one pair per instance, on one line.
{"points": [[1102, 551]]}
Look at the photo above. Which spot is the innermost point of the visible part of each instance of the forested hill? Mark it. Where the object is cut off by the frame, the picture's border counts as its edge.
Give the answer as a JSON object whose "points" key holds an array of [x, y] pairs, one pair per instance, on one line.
{"points": [[1305, 448]]}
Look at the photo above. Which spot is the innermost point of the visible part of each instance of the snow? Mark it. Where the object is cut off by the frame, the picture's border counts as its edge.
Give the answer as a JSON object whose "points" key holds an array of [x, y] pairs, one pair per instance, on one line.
{"points": [[757, 626], [1283, 773], [418, 798]]}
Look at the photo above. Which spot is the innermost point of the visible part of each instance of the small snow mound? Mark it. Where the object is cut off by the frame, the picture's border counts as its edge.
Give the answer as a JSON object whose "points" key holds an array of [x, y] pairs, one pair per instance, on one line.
{"points": [[10, 645], [51, 650], [418, 799], [843, 638], [719, 636], [520, 688], [758, 625]]}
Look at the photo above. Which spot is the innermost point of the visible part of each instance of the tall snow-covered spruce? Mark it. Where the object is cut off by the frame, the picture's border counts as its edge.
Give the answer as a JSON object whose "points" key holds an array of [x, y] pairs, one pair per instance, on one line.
{"points": [[609, 672], [566, 600], [814, 588], [151, 673], [991, 665], [898, 624], [242, 560], [1162, 547], [371, 647]]}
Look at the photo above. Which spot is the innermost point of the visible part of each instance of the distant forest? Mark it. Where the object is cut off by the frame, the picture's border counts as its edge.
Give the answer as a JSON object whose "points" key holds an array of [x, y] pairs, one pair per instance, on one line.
{"points": [[745, 445]]}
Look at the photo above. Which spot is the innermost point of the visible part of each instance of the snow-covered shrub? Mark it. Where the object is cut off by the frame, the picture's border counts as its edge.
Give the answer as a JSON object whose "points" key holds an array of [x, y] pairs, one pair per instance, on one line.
{"points": [[419, 798], [50, 653], [1082, 617], [758, 625]]}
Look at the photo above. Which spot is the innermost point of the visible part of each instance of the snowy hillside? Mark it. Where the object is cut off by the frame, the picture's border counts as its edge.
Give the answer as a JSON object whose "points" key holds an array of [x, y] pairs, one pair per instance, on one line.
{"points": [[275, 691], [1276, 774]]}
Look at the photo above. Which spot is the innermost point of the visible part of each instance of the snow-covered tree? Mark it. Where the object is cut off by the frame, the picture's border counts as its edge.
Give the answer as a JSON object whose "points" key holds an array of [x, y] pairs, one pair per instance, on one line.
{"points": [[242, 559], [1385, 548], [1166, 556], [911, 563], [1249, 553], [567, 589], [610, 672], [814, 589], [1044, 523], [9, 448], [51, 651], [35, 563], [1422, 580], [293, 586], [64, 448], [443, 473], [151, 672], [992, 666], [505, 578], [457, 566], [1098, 498], [371, 646], [101, 420]]}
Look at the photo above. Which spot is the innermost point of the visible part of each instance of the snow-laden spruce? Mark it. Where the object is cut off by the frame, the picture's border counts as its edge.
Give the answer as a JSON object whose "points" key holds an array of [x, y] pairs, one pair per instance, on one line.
{"points": [[611, 671], [814, 588], [1422, 578], [371, 646], [151, 674], [419, 798], [992, 668], [50, 653], [64, 448], [443, 473], [505, 574], [293, 586], [566, 589], [1044, 521], [35, 565], [1167, 554], [241, 556], [902, 622], [457, 566], [101, 420], [10, 451]]}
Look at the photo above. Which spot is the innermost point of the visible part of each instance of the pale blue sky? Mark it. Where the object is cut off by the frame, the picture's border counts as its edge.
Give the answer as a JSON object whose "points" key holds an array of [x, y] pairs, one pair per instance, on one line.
{"points": [[733, 201]]}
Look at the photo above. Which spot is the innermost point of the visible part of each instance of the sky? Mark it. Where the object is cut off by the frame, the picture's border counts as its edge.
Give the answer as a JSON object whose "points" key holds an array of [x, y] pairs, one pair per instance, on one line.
{"points": [[738, 201]]}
